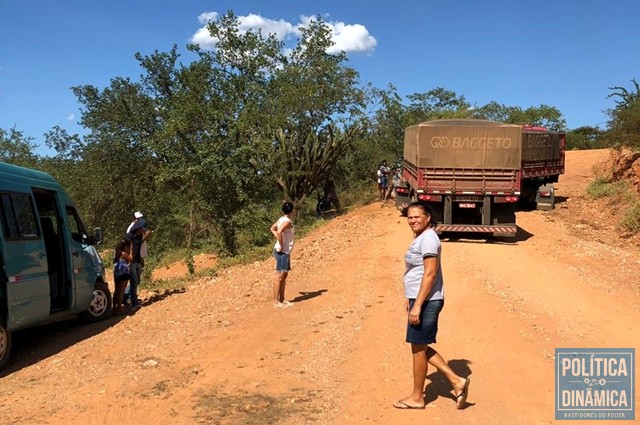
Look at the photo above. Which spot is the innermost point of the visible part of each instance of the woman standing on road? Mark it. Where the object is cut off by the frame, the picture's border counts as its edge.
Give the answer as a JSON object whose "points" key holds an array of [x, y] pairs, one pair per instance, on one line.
{"points": [[424, 292], [283, 232]]}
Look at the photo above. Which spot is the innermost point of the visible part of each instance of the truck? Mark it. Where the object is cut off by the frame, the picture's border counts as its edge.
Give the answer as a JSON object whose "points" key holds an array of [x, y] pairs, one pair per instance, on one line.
{"points": [[49, 266], [473, 173]]}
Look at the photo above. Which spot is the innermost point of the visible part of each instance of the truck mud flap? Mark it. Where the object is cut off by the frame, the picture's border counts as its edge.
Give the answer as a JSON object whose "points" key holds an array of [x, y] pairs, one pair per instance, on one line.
{"points": [[498, 230], [403, 199], [545, 197]]}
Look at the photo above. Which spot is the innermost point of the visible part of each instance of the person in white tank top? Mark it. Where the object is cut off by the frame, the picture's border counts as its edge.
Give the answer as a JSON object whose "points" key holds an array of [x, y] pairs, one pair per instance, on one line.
{"points": [[283, 232]]}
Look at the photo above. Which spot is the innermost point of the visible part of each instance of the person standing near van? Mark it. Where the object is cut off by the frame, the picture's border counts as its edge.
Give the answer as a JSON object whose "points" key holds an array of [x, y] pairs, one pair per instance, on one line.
{"points": [[121, 273], [137, 216], [138, 234], [283, 232], [143, 250]]}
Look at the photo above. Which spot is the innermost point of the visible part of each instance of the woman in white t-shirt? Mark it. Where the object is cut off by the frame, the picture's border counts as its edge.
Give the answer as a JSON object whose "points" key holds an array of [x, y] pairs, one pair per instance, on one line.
{"points": [[424, 299], [283, 232]]}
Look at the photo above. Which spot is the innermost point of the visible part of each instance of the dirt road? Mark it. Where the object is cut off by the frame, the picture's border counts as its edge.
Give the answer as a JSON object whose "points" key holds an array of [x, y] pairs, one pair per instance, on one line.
{"points": [[219, 353]]}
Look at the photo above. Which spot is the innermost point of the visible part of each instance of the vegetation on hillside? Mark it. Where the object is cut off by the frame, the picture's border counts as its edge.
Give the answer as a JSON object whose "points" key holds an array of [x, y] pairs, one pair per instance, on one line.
{"points": [[621, 184], [210, 148]]}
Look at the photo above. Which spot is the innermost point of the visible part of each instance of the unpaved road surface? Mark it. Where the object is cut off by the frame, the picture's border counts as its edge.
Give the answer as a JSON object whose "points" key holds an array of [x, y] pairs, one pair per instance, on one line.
{"points": [[219, 353]]}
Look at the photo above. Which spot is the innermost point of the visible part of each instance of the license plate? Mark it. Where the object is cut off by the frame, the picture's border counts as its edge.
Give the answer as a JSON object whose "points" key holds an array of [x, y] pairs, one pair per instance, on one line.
{"points": [[467, 205]]}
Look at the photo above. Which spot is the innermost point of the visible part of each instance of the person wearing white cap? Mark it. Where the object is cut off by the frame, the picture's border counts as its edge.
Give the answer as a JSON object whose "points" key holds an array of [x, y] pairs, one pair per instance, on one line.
{"points": [[137, 235], [138, 216], [138, 222]]}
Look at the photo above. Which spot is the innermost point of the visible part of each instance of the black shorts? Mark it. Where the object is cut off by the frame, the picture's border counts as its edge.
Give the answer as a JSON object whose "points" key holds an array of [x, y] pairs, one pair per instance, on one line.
{"points": [[121, 278]]}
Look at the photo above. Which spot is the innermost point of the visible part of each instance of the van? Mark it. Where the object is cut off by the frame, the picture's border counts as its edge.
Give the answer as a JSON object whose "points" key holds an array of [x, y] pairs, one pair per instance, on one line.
{"points": [[49, 267]]}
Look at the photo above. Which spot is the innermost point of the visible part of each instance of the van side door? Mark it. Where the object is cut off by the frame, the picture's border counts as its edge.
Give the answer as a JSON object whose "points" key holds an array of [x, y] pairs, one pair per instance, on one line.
{"points": [[25, 261], [85, 261]]}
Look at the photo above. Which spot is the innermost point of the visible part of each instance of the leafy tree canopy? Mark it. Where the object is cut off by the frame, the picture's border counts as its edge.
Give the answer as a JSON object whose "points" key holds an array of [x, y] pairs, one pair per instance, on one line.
{"points": [[16, 148], [624, 123]]}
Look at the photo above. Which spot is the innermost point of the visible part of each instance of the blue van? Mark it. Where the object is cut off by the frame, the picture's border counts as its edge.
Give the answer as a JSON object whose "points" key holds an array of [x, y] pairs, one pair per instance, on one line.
{"points": [[49, 266]]}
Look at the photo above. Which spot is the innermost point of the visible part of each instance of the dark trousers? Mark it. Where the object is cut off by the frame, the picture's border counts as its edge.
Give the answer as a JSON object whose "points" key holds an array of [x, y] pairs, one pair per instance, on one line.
{"points": [[136, 275]]}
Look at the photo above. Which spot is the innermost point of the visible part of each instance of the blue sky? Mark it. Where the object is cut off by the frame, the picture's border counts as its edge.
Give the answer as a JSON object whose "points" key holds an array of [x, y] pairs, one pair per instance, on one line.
{"points": [[559, 53]]}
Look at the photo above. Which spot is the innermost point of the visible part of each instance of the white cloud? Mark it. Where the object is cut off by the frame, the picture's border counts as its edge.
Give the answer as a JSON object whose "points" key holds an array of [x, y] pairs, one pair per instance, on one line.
{"points": [[71, 117], [203, 39], [347, 37], [351, 38], [207, 17], [281, 29]]}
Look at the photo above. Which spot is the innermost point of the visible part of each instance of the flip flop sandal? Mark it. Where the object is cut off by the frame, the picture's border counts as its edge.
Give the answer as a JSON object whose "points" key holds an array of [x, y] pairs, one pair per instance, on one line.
{"points": [[402, 405], [461, 399]]}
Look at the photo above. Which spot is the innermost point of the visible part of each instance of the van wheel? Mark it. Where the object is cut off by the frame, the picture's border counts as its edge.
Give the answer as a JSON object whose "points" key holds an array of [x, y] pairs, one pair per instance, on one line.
{"points": [[5, 345], [100, 307]]}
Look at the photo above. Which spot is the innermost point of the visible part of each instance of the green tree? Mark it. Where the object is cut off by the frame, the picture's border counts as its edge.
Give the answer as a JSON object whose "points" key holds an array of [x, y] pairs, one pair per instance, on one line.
{"points": [[16, 148], [202, 132], [543, 116], [117, 172], [585, 137], [316, 104], [391, 117], [389, 121], [624, 123], [437, 103], [66, 146], [233, 148], [623, 97]]}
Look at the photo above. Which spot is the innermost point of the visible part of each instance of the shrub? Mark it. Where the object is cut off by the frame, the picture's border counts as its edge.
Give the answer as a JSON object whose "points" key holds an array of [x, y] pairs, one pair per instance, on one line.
{"points": [[631, 218], [601, 188]]}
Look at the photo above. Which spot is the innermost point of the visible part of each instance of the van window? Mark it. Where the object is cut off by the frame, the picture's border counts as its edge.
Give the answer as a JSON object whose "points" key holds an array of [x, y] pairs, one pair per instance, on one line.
{"points": [[18, 216], [75, 225]]}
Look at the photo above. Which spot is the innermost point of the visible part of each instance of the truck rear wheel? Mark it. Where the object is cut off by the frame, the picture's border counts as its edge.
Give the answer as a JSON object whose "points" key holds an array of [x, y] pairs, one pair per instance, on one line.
{"points": [[5, 344], [100, 307]]}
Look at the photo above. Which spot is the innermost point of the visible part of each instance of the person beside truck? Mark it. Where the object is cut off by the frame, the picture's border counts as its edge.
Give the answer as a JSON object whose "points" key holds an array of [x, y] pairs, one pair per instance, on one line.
{"points": [[396, 181], [383, 178]]}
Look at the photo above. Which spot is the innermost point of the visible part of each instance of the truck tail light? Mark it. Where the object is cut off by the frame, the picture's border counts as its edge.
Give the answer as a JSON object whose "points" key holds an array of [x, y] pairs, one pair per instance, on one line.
{"points": [[544, 193], [503, 199], [426, 197], [402, 190]]}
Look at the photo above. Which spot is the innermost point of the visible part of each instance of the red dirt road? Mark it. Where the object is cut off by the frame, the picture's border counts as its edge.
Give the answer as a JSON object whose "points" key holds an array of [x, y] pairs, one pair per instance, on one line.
{"points": [[218, 353]]}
